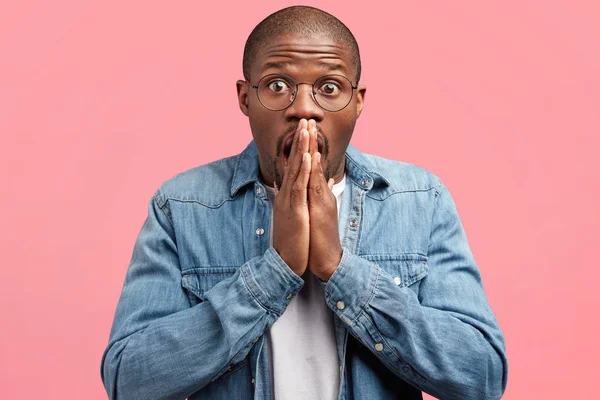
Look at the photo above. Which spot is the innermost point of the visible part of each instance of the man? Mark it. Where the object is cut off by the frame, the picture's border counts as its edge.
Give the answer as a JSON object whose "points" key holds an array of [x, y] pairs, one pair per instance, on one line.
{"points": [[302, 268]]}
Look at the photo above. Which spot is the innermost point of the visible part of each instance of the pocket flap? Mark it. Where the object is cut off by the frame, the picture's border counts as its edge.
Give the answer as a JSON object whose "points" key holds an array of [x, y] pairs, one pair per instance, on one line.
{"points": [[199, 280], [405, 269]]}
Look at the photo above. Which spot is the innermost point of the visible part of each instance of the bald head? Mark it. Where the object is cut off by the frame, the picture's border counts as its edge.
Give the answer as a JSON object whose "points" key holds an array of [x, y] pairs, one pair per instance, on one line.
{"points": [[304, 21]]}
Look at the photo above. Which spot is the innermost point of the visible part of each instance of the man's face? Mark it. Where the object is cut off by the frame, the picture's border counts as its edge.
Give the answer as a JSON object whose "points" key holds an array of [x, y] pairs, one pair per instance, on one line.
{"points": [[305, 60]]}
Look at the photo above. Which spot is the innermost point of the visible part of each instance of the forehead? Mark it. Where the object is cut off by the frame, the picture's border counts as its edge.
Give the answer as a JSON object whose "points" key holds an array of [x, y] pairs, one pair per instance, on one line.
{"points": [[297, 55]]}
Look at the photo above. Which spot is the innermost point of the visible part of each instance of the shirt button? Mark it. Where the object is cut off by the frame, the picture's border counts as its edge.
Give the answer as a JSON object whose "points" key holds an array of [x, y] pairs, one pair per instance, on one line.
{"points": [[260, 231], [397, 280], [354, 223], [289, 296], [378, 346], [258, 190], [365, 182], [340, 305], [253, 380]]}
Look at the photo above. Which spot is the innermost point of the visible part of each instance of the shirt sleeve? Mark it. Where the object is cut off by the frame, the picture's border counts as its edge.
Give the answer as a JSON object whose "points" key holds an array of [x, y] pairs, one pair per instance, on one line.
{"points": [[160, 346], [445, 340]]}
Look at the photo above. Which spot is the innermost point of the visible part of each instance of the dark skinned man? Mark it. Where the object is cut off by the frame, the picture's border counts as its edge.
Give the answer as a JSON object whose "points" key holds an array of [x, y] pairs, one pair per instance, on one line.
{"points": [[303, 268]]}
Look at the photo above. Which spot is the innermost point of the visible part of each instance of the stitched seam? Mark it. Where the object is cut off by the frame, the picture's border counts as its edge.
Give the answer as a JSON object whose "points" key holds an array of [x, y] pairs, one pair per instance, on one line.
{"points": [[236, 169], [236, 367], [244, 183], [162, 209], [201, 203], [358, 167], [365, 303], [361, 208], [263, 306], [402, 191], [387, 257], [438, 192], [227, 270]]}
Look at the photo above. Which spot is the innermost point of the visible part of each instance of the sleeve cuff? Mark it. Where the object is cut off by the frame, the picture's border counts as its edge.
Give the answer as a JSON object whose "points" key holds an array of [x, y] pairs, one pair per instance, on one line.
{"points": [[351, 286], [271, 281]]}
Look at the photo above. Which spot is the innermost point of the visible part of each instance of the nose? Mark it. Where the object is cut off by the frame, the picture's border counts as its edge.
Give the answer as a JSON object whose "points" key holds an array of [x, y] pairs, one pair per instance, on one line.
{"points": [[304, 105]]}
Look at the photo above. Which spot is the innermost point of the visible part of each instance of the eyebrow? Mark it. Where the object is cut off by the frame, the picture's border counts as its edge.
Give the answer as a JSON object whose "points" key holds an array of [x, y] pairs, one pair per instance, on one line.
{"points": [[283, 64]]}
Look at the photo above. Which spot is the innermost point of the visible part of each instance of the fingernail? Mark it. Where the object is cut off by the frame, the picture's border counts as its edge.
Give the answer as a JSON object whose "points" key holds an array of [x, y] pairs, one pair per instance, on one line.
{"points": [[318, 155]]}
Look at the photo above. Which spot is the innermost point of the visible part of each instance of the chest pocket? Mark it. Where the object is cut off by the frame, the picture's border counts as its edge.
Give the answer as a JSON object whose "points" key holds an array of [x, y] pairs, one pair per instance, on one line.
{"points": [[405, 270], [197, 281]]}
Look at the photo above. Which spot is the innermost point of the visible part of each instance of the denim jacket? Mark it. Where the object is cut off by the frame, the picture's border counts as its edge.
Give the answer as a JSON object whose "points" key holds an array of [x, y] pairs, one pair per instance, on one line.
{"points": [[203, 286]]}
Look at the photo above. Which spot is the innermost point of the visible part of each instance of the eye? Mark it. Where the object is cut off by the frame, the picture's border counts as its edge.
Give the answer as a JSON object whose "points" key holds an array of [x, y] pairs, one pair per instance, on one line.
{"points": [[330, 88], [278, 86]]}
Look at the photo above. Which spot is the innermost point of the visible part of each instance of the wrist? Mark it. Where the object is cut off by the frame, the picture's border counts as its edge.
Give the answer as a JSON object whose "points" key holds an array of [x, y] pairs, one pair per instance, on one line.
{"points": [[326, 273]]}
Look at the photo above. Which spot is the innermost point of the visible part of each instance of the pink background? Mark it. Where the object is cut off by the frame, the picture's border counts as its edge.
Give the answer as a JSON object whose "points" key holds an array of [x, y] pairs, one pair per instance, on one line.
{"points": [[100, 103]]}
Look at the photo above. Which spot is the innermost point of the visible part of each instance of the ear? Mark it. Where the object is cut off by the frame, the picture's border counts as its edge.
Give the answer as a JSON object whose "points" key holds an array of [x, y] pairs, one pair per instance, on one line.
{"points": [[242, 93], [360, 99]]}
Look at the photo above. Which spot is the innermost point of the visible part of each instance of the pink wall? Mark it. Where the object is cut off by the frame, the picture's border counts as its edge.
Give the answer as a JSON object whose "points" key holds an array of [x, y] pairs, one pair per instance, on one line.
{"points": [[101, 103]]}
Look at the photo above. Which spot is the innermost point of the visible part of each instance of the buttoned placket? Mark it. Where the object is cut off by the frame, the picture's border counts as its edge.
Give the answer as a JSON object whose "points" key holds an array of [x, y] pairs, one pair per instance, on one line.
{"points": [[258, 241], [351, 214]]}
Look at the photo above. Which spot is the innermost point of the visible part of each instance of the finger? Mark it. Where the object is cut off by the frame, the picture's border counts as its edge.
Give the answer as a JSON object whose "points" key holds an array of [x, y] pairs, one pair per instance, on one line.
{"points": [[295, 160], [331, 183], [294, 142], [286, 165], [316, 183], [295, 168], [299, 188], [320, 172], [312, 129], [298, 151]]}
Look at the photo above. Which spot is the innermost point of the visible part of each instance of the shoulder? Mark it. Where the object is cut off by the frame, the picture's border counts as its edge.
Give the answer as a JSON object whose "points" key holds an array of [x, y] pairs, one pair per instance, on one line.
{"points": [[208, 184]]}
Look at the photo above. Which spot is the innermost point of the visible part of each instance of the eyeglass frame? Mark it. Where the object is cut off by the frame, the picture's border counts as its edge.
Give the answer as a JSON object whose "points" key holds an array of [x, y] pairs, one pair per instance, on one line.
{"points": [[295, 94]]}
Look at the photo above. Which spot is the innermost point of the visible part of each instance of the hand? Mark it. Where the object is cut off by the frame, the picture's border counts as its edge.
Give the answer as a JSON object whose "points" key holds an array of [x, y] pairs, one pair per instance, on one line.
{"points": [[325, 250], [290, 209]]}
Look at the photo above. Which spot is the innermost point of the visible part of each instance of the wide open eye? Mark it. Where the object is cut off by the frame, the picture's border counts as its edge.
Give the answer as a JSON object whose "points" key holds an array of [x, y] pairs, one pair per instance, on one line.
{"points": [[329, 88], [278, 86]]}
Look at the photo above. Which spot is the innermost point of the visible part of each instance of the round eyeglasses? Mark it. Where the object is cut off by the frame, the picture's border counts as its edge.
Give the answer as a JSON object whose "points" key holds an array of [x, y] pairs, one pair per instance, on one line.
{"points": [[277, 92]]}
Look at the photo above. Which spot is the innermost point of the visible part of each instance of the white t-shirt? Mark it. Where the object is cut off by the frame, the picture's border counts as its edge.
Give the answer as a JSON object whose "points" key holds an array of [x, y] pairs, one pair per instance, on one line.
{"points": [[305, 363]]}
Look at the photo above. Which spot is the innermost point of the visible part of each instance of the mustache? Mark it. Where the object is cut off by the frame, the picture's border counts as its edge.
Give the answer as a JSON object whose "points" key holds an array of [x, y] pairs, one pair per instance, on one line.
{"points": [[291, 129]]}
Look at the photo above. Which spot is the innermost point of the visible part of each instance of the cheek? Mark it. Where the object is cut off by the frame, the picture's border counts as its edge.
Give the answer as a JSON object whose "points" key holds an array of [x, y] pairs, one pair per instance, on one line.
{"points": [[265, 130], [262, 139], [342, 133]]}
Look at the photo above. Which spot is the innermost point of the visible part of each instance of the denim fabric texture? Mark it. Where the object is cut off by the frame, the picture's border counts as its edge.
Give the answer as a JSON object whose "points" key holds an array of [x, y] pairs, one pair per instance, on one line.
{"points": [[203, 286]]}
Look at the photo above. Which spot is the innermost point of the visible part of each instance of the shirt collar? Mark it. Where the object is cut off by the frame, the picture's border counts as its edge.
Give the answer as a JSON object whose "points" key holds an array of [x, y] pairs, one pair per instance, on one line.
{"points": [[359, 169]]}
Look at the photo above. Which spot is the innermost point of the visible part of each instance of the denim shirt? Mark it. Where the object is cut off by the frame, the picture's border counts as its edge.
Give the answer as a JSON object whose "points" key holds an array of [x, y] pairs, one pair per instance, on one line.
{"points": [[203, 286]]}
